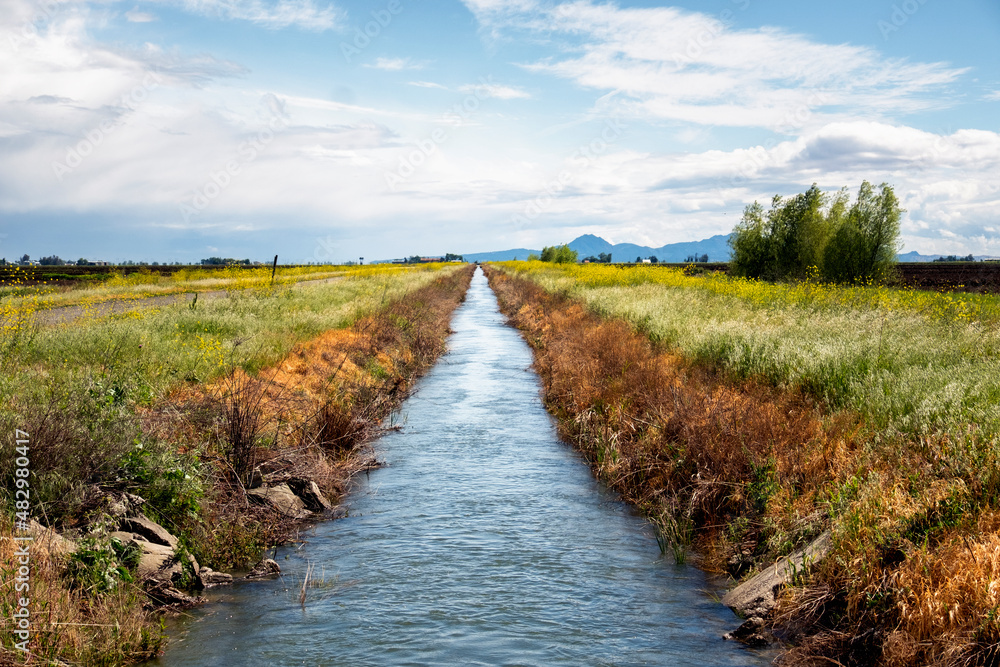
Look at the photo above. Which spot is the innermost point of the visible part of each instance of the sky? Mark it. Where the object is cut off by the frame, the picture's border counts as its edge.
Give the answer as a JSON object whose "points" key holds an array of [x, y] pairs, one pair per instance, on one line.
{"points": [[174, 130]]}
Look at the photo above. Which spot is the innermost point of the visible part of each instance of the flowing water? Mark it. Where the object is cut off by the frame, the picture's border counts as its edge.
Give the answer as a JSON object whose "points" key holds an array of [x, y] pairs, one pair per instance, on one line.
{"points": [[484, 541]]}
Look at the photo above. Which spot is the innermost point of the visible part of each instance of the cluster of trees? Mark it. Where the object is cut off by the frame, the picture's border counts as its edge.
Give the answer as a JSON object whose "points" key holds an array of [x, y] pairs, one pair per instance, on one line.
{"points": [[693, 259], [448, 257], [953, 258], [814, 231], [558, 254], [227, 261], [653, 259], [602, 258]]}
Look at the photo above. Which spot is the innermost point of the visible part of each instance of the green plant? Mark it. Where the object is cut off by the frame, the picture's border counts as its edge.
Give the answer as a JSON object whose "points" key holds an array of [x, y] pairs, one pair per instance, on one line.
{"points": [[762, 485], [100, 563], [673, 534], [558, 254]]}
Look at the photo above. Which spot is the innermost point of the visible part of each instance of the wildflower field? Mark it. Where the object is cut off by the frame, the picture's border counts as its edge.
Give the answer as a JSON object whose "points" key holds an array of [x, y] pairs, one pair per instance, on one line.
{"points": [[911, 361], [749, 418]]}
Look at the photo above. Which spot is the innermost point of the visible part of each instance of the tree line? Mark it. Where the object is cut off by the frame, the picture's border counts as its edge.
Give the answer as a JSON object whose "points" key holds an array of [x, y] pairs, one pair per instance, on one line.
{"points": [[815, 231]]}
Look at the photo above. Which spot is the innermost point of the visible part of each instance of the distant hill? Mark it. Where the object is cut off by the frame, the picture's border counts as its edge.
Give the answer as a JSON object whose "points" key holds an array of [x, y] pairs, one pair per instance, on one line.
{"points": [[914, 256], [715, 247], [500, 255]]}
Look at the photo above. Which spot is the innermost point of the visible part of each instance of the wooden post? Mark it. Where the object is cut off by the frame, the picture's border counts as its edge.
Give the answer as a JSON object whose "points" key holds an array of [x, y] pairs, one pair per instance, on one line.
{"points": [[273, 269]]}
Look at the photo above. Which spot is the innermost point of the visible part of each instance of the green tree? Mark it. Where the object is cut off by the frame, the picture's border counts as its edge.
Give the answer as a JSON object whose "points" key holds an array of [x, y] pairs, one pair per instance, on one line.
{"points": [[866, 239], [813, 231], [751, 244], [559, 254]]}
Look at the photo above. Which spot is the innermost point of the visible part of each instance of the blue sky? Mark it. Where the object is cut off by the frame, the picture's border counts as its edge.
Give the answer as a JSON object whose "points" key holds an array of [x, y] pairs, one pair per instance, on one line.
{"points": [[175, 130]]}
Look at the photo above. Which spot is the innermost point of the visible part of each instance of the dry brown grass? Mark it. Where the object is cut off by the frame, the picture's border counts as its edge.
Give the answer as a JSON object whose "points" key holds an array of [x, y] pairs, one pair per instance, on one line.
{"points": [[750, 472], [668, 434], [69, 627]]}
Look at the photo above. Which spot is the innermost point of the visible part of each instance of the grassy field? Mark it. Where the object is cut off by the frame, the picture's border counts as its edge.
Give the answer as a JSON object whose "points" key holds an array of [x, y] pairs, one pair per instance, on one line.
{"points": [[912, 362], [760, 414], [148, 402], [47, 292]]}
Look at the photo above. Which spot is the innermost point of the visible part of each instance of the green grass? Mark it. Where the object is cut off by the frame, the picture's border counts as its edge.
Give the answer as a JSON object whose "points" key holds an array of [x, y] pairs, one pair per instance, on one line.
{"points": [[911, 363], [83, 384]]}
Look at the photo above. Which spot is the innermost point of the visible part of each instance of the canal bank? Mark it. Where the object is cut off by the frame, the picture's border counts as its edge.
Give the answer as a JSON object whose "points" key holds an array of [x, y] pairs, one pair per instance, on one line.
{"points": [[484, 540]]}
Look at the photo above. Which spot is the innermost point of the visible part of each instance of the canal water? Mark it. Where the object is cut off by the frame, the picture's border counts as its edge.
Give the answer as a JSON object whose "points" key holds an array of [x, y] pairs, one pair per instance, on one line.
{"points": [[484, 541]]}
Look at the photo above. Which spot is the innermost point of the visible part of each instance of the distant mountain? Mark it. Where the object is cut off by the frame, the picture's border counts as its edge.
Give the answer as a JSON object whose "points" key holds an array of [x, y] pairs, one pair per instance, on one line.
{"points": [[716, 247], [500, 255], [588, 245], [914, 256]]}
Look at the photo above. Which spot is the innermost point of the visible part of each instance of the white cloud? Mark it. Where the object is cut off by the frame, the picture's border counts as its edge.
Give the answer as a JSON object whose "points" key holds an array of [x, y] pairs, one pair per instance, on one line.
{"points": [[395, 64], [500, 92], [994, 96], [304, 14], [332, 156], [135, 16], [427, 84], [668, 63]]}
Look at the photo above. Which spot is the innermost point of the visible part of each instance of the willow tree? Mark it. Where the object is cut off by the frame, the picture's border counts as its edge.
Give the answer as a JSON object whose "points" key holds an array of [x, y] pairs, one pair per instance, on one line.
{"points": [[812, 232], [559, 254], [786, 242], [865, 241]]}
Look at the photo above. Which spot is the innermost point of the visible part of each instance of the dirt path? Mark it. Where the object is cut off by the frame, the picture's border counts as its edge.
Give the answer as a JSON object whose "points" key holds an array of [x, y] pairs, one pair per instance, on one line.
{"points": [[70, 314]]}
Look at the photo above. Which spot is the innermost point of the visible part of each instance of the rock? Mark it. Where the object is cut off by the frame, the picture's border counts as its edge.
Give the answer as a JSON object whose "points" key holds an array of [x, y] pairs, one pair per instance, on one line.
{"points": [[209, 578], [124, 504], [309, 492], [157, 563], [265, 568], [758, 595], [256, 479], [752, 633], [55, 544], [148, 530], [281, 498], [164, 595]]}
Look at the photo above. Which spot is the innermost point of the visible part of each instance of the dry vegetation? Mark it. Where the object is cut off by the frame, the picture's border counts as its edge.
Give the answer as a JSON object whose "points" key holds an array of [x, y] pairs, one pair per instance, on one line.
{"points": [[749, 470], [184, 407]]}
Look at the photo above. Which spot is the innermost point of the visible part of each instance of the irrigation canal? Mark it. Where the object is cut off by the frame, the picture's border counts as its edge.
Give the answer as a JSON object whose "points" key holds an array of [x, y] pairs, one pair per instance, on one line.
{"points": [[484, 541]]}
